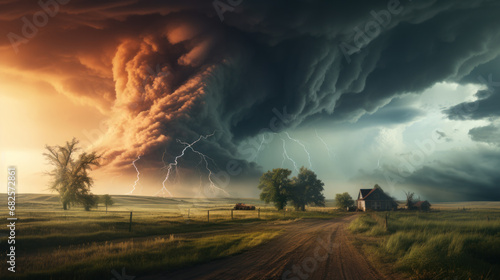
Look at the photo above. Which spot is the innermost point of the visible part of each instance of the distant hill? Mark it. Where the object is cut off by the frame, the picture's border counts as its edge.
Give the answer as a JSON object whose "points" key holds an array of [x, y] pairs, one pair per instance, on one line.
{"points": [[49, 202]]}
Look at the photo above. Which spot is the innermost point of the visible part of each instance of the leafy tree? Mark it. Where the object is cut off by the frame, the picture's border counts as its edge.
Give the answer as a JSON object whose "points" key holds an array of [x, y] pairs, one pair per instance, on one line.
{"points": [[306, 189], [410, 200], [302, 190], [107, 200], [88, 201], [275, 185], [70, 177], [344, 200]]}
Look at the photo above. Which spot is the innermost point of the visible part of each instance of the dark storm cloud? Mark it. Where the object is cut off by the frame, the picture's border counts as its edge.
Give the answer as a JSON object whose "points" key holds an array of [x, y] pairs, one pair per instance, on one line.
{"points": [[488, 134], [399, 110], [485, 107], [487, 74], [229, 76], [461, 177], [471, 179], [392, 116]]}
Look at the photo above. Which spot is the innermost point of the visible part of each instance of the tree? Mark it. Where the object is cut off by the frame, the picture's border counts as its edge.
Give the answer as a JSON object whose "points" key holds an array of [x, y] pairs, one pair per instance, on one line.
{"points": [[275, 185], [70, 177], [306, 189], [88, 201], [344, 200], [410, 200], [107, 200]]}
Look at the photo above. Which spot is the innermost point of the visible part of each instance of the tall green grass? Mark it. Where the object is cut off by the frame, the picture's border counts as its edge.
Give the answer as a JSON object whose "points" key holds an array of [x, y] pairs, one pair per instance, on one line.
{"points": [[55, 244], [435, 245], [49, 229], [149, 256]]}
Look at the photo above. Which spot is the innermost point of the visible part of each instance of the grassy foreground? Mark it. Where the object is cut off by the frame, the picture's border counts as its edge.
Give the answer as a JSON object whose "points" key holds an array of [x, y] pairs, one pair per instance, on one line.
{"points": [[167, 234], [139, 258], [436, 245]]}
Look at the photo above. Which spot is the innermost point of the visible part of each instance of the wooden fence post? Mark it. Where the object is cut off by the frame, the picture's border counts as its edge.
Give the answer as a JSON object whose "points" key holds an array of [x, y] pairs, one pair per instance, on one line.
{"points": [[488, 217], [208, 216], [130, 224], [385, 221], [232, 214], [189, 210], [259, 213]]}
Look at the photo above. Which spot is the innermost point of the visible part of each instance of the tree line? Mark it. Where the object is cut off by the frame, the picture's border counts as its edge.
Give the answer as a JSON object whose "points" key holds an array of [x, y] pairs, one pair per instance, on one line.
{"points": [[71, 180], [304, 189]]}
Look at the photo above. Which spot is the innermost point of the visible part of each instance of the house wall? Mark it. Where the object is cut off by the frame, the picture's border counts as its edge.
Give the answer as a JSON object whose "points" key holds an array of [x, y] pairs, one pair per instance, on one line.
{"points": [[377, 205], [361, 205]]}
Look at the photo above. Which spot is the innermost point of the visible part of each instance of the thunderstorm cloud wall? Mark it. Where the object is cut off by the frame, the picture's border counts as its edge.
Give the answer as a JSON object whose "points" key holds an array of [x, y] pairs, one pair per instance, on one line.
{"points": [[166, 70]]}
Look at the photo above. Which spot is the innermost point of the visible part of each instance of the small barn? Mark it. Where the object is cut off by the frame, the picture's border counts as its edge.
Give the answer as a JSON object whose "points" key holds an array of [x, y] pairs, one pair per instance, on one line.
{"points": [[422, 205], [375, 199]]}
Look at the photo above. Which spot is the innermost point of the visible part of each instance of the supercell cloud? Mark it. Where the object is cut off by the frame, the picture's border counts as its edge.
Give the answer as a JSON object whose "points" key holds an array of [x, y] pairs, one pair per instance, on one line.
{"points": [[167, 70]]}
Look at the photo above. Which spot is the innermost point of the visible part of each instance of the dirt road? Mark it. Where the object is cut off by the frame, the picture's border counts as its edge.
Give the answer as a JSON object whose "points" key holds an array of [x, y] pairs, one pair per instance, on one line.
{"points": [[309, 249]]}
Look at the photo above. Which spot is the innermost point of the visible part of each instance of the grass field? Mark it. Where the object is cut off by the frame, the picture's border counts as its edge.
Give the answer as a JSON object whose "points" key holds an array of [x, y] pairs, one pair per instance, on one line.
{"points": [[166, 234], [446, 244]]}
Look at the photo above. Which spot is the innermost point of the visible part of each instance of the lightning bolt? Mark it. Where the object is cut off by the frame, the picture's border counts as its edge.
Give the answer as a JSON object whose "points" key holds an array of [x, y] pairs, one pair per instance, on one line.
{"points": [[138, 175], [169, 168], [260, 146], [303, 146], [204, 157], [174, 165], [163, 160], [324, 143], [284, 158], [285, 154], [164, 190]]}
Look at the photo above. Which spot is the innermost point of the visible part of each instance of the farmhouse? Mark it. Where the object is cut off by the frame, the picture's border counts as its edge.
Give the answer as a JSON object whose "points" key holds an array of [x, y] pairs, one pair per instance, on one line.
{"points": [[422, 205], [375, 199]]}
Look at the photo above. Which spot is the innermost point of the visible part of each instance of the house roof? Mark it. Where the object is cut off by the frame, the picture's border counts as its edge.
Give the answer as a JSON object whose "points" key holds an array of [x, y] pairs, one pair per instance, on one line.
{"points": [[365, 192], [419, 203], [374, 194]]}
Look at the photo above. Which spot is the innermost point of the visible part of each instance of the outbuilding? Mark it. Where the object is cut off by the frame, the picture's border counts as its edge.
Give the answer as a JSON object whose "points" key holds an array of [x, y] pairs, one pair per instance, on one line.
{"points": [[422, 205]]}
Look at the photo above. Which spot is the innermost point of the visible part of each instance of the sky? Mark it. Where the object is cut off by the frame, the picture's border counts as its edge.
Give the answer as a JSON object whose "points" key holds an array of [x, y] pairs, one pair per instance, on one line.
{"points": [[199, 98]]}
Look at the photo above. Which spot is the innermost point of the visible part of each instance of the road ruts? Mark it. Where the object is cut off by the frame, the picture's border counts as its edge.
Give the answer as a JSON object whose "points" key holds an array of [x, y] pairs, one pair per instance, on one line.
{"points": [[309, 249]]}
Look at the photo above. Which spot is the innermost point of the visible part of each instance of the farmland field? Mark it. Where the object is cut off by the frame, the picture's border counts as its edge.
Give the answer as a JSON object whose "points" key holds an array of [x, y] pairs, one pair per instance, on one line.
{"points": [[165, 234], [198, 239], [446, 244]]}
